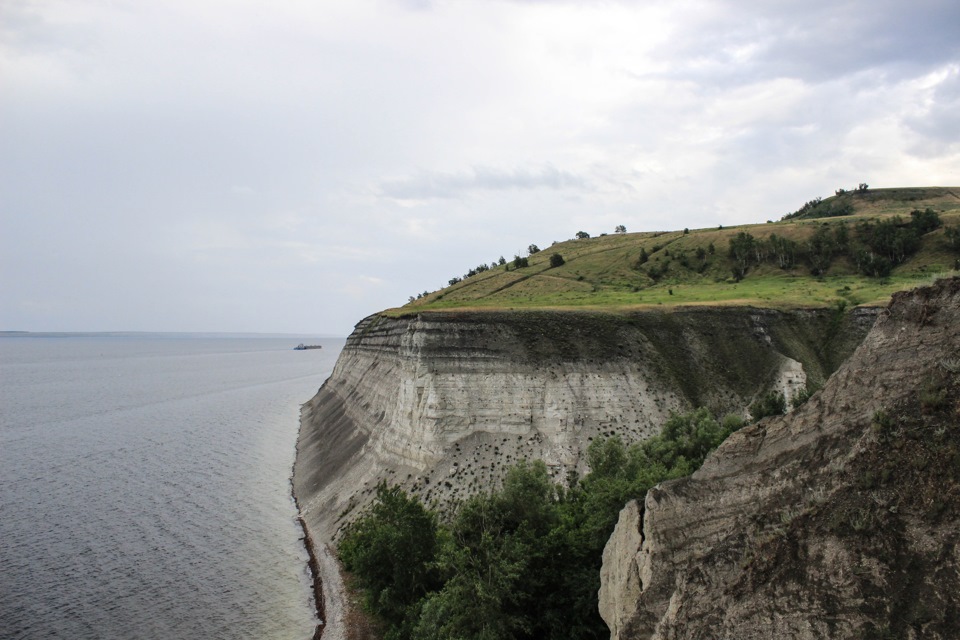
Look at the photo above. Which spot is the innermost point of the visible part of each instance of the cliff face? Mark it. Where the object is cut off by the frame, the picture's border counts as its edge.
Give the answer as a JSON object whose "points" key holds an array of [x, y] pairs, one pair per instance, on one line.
{"points": [[840, 520], [441, 403]]}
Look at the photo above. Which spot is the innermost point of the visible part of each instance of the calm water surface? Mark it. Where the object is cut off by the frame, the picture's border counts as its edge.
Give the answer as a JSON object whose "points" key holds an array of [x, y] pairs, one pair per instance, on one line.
{"points": [[145, 486]]}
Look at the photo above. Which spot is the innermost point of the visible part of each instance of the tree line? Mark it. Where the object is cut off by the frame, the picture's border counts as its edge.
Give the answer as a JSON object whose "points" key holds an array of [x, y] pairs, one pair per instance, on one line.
{"points": [[874, 247]]}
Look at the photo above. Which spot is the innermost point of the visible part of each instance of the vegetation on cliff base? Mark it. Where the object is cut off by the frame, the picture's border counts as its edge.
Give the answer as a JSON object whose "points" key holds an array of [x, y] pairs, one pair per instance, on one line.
{"points": [[520, 562]]}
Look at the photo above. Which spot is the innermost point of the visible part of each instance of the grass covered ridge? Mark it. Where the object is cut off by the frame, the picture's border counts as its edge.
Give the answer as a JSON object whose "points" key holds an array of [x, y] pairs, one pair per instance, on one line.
{"points": [[623, 271]]}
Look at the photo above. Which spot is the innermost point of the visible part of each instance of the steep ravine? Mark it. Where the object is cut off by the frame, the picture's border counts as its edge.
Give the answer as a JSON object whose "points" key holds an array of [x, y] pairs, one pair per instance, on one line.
{"points": [[840, 520], [441, 403]]}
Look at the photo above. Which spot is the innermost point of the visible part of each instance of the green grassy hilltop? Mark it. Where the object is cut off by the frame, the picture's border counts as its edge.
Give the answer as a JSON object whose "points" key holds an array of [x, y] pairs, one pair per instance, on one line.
{"points": [[855, 248]]}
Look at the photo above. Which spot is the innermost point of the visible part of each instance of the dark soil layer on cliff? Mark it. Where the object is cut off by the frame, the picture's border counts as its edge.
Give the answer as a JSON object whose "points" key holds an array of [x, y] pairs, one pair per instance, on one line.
{"points": [[693, 347]]}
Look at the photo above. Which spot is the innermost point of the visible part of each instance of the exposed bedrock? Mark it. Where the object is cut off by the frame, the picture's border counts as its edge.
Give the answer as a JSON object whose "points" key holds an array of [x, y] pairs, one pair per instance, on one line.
{"points": [[440, 403], [840, 520]]}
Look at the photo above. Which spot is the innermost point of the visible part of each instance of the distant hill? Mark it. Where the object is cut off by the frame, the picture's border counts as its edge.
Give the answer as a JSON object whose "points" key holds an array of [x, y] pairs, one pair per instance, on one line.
{"points": [[854, 248]]}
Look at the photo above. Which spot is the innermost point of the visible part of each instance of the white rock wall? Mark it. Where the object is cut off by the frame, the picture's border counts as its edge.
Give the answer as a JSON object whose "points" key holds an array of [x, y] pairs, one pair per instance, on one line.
{"points": [[441, 404]]}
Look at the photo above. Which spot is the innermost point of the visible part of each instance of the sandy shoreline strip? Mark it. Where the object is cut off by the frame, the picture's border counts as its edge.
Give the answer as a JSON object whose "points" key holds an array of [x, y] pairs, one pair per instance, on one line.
{"points": [[317, 584], [334, 594], [328, 589]]}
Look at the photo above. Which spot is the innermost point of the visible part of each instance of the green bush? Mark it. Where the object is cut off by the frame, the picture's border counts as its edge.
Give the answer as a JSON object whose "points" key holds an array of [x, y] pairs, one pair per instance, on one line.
{"points": [[391, 550], [801, 397], [925, 221], [952, 234], [771, 404], [742, 250]]}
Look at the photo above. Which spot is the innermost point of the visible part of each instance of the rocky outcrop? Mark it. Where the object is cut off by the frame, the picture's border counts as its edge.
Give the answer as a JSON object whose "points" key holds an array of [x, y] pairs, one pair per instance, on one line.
{"points": [[440, 403], [620, 582], [841, 520]]}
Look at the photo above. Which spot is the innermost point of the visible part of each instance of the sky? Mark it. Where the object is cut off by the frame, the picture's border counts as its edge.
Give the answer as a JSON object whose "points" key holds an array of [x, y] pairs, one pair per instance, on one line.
{"points": [[296, 165]]}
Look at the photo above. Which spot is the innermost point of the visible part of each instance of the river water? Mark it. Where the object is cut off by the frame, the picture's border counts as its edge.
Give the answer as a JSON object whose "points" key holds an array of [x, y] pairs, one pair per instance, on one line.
{"points": [[145, 486]]}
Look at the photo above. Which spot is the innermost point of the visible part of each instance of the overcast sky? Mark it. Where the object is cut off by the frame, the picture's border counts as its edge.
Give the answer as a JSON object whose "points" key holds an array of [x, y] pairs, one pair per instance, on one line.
{"points": [[293, 166]]}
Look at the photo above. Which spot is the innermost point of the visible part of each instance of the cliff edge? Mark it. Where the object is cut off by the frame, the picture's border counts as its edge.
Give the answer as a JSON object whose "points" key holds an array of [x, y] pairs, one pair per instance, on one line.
{"points": [[442, 403], [839, 520]]}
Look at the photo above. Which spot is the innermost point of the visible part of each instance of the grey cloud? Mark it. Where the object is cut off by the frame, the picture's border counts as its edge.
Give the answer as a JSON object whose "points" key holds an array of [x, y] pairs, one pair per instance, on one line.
{"points": [[815, 41], [416, 5], [443, 185], [169, 163], [24, 29], [939, 125]]}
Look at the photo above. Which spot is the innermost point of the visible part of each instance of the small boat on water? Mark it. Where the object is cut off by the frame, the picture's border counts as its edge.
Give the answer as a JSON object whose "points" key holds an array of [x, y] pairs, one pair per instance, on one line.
{"points": [[304, 347]]}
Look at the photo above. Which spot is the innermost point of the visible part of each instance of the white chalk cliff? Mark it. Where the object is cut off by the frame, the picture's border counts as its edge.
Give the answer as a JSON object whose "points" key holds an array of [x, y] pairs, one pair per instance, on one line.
{"points": [[441, 403]]}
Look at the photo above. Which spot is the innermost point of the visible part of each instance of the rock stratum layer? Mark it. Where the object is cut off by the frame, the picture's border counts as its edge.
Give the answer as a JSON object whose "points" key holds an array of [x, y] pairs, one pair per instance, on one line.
{"points": [[441, 403], [840, 520]]}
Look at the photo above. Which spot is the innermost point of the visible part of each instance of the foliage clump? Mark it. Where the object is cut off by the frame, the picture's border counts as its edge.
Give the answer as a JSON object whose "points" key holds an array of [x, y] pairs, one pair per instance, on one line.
{"points": [[801, 397], [819, 208], [742, 250], [770, 404], [391, 551], [952, 234], [642, 258], [520, 562], [841, 205], [874, 247]]}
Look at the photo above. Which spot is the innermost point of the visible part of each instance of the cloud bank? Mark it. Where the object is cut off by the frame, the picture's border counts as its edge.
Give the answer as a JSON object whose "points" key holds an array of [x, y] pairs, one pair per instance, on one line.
{"points": [[296, 166]]}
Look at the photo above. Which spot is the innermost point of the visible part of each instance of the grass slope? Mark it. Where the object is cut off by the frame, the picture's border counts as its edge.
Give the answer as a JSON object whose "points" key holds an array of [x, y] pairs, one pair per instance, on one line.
{"points": [[694, 268]]}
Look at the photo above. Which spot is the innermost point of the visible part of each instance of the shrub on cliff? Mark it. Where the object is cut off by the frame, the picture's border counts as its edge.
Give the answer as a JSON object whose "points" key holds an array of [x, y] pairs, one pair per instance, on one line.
{"points": [[925, 221], [771, 404], [952, 234], [391, 551]]}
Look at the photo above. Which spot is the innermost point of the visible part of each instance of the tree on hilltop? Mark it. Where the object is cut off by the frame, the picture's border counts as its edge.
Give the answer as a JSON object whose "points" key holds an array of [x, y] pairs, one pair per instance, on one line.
{"points": [[741, 250]]}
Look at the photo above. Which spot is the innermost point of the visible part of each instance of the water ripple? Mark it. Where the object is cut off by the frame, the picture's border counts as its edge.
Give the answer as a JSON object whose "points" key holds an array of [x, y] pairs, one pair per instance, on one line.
{"points": [[144, 488]]}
